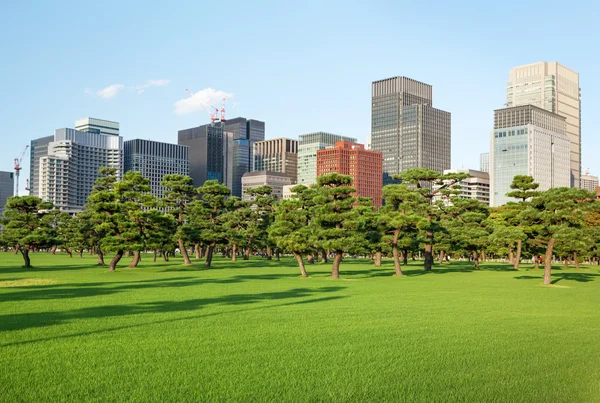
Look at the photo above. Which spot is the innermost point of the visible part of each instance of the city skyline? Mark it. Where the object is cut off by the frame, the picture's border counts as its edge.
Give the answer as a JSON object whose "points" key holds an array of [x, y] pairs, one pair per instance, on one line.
{"points": [[149, 99]]}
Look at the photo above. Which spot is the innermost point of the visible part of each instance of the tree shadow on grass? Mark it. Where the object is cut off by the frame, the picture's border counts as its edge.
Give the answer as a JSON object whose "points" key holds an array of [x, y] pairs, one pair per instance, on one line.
{"points": [[42, 319], [557, 277]]}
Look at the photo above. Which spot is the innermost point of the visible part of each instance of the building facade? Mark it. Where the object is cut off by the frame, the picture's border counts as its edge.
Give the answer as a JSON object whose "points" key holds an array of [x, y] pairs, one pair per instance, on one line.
{"points": [[277, 155], [244, 134], [364, 166], [476, 186], [308, 146], [98, 126], [528, 140], [407, 129], [484, 162], [38, 148], [67, 172], [555, 88], [154, 159], [276, 180], [589, 182], [7, 188], [206, 152]]}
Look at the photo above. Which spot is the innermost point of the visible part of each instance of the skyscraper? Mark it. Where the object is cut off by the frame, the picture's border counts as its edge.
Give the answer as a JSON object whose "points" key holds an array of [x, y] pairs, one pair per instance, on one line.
{"points": [[245, 132], [65, 173], [589, 182], [277, 155], [154, 159], [206, 156], [364, 166], [484, 162], [307, 153], [7, 188], [98, 126], [406, 128], [527, 140], [275, 180], [555, 88]]}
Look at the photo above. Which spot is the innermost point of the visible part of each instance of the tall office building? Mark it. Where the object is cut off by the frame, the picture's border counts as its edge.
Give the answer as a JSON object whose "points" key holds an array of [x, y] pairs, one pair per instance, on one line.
{"points": [[277, 155], [37, 149], [307, 153], [476, 186], [555, 88], [65, 173], [245, 133], [407, 129], [589, 182], [206, 152], [364, 166], [484, 162], [275, 180], [154, 159], [528, 140], [98, 126], [7, 188]]}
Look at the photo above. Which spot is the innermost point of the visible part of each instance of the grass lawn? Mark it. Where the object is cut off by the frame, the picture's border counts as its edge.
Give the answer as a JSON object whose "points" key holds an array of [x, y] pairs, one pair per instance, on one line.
{"points": [[256, 331]]}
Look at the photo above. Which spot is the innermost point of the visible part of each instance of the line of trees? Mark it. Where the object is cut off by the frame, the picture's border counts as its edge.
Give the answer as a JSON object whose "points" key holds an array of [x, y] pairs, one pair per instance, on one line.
{"points": [[324, 221]]}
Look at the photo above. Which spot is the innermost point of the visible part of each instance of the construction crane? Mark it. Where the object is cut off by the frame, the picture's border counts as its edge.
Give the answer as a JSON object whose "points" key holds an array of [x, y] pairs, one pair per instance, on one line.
{"points": [[223, 111], [18, 168], [214, 115]]}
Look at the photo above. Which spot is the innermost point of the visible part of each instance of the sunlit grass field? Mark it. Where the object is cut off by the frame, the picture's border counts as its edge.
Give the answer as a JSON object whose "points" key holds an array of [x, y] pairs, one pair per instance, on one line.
{"points": [[257, 331]]}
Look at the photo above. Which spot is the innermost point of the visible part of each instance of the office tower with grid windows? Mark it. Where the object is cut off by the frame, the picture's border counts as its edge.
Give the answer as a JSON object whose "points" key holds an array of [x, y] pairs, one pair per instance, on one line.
{"points": [[589, 182], [555, 88], [154, 159], [98, 126], [484, 162], [7, 188], [364, 166], [275, 180], [277, 155], [528, 140], [307, 153], [244, 134], [65, 168], [206, 152], [407, 129], [476, 186]]}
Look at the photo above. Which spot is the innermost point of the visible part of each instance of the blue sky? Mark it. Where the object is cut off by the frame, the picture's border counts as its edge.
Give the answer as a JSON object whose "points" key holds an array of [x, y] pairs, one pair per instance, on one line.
{"points": [[299, 66]]}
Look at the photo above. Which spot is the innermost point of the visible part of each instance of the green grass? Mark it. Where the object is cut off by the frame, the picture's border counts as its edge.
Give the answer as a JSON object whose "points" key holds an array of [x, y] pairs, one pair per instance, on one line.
{"points": [[256, 331]]}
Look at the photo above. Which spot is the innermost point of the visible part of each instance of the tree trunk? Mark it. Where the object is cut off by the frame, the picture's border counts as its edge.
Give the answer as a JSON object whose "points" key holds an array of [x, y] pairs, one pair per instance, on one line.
{"points": [[300, 264], [128, 253], [567, 262], [80, 252], [397, 267], [323, 256], [483, 256], [428, 262], [68, 251], [335, 267], [136, 259], [378, 258], [518, 257], [186, 258], [277, 258], [113, 263], [548, 261], [101, 258], [17, 249], [441, 256], [154, 256], [405, 257], [537, 262], [210, 251], [310, 259], [247, 253], [234, 253], [25, 253], [511, 257], [165, 256], [53, 250], [269, 253], [476, 259], [197, 251], [576, 259]]}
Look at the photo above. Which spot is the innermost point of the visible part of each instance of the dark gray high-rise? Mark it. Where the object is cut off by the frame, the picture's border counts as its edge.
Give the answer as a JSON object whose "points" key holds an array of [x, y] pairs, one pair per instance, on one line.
{"points": [[407, 129], [206, 146], [7, 187], [245, 132], [154, 159]]}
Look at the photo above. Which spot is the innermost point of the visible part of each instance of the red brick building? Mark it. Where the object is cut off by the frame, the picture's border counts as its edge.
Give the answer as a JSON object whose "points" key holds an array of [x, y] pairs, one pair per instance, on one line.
{"points": [[364, 166]]}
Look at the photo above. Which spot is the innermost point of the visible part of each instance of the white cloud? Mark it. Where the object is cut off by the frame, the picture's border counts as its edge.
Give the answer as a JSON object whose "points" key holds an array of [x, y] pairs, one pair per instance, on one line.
{"points": [[201, 100], [110, 91], [151, 83]]}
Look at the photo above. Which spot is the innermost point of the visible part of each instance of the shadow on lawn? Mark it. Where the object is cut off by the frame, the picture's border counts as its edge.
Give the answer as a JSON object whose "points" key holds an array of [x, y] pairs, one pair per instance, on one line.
{"points": [[557, 277], [41, 319]]}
